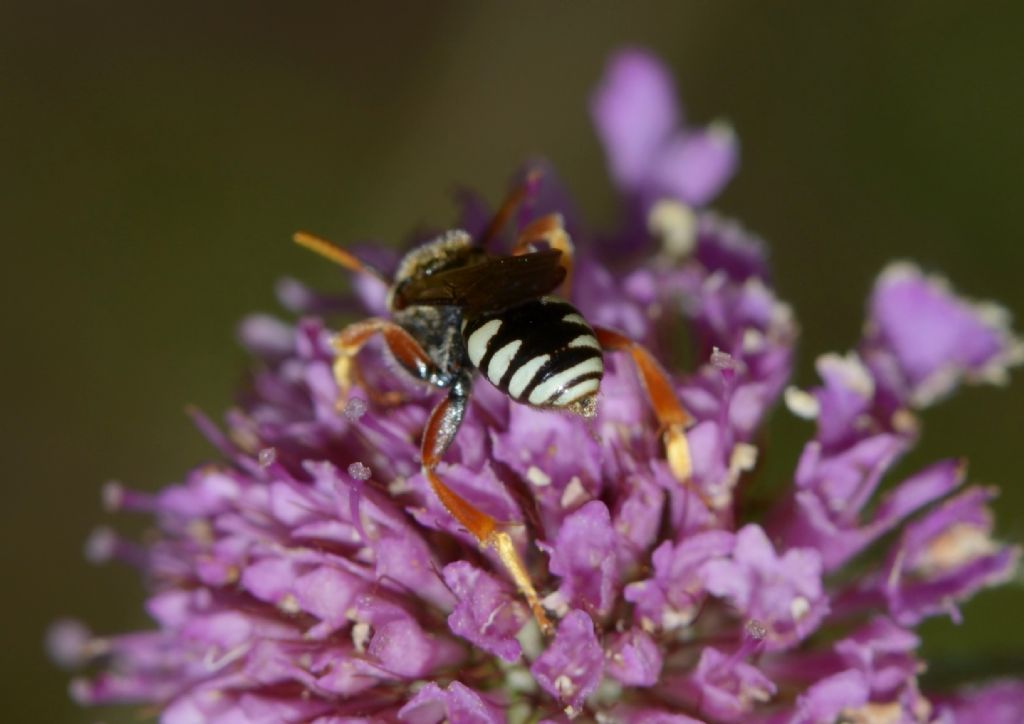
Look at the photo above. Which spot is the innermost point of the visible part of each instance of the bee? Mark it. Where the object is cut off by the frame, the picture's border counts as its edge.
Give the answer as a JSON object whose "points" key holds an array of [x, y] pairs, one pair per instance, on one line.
{"points": [[457, 309]]}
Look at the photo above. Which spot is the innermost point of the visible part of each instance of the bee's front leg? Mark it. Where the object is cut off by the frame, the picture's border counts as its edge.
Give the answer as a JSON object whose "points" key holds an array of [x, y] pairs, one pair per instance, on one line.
{"points": [[672, 417], [441, 428], [405, 349]]}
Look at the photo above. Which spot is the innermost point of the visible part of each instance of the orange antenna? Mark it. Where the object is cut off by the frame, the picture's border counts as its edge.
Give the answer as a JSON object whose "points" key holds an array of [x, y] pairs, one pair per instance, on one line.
{"points": [[508, 207], [334, 253]]}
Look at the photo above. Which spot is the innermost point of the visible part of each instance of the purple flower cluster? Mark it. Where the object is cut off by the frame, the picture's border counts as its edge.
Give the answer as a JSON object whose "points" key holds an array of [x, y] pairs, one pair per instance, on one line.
{"points": [[311, 575]]}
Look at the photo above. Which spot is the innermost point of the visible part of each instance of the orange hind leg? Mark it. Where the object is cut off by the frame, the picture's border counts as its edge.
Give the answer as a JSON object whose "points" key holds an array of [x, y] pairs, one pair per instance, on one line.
{"points": [[671, 415]]}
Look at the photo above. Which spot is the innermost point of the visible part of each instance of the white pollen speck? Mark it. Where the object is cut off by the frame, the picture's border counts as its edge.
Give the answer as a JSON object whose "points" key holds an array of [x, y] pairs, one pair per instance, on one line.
{"points": [[802, 404], [537, 476], [756, 630], [113, 496], [849, 370], [574, 493], [722, 360], [743, 458], [355, 408], [68, 643], [360, 636], [799, 607], [566, 687], [80, 691], [359, 471], [267, 456], [753, 341], [904, 421], [100, 545], [556, 603], [672, 619], [675, 225]]}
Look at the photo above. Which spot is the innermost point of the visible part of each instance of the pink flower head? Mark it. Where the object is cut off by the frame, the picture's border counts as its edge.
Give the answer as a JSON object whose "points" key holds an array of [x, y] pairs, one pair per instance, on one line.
{"points": [[308, 573]]}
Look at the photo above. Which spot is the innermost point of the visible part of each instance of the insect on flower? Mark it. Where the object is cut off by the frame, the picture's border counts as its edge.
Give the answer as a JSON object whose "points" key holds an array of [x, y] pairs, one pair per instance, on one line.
{"points": [[456, 308]]}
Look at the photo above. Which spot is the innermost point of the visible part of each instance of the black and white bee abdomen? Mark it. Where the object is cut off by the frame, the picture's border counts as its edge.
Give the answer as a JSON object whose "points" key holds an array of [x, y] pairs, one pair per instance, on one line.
{"points": [[541, 352]]}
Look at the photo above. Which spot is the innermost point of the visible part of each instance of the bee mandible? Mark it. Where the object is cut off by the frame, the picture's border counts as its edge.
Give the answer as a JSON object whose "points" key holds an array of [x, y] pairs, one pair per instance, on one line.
{"points": [[457, 309]]}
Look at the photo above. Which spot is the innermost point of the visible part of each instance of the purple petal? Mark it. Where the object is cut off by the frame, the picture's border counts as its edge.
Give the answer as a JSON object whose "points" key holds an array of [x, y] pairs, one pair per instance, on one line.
{"points": [[634, 658], [998, 702], [628, 714], [399, 644], [638, 518], [839, 534], [584, 556], [571, 667], [784, 593], [695, 166], [829, 697], [635, 111], [723, 245], [488, 613], [266, 336], [946, 557], [327, 593], [457, 704], [674, 595], [883, 652], [724, 688], [935, 337]]}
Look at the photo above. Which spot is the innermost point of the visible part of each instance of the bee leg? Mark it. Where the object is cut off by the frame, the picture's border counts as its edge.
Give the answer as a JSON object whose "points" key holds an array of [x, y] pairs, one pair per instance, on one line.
{"points": [[385, 399], [549, 228], [403, 346], [440, 431], [672, 417], [508, 207]]}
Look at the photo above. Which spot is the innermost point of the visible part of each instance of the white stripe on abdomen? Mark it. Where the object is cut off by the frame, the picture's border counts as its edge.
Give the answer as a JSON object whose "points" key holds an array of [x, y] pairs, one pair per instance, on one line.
{"points": [[525, 374], [477, 343], [501, 359], [553, 387]]}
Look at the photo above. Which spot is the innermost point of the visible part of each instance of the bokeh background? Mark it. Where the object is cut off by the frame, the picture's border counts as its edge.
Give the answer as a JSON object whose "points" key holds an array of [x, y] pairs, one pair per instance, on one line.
{"points": [[156, 158]]}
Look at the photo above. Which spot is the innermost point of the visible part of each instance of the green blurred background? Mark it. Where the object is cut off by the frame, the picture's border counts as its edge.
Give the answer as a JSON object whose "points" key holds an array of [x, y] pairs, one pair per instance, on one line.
{"points": [[156, 160]]}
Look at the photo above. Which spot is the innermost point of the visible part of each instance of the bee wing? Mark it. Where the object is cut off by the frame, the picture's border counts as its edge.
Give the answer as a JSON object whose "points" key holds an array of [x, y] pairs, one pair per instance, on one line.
{"points": [[495, 283]]}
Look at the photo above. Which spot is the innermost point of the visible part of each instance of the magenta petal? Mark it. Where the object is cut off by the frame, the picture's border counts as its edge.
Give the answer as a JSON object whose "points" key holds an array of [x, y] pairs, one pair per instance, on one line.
{"points": [[785, 593], [327, 593], [998, 702], [635, 110], [457, 704], [827, 698], [571, 666], [672, 598], [634, 658], [935, 337], [724, 688], [944, 558], [488, 613], [694, 167], [584, 556], [839, 534], [883, 652]]}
